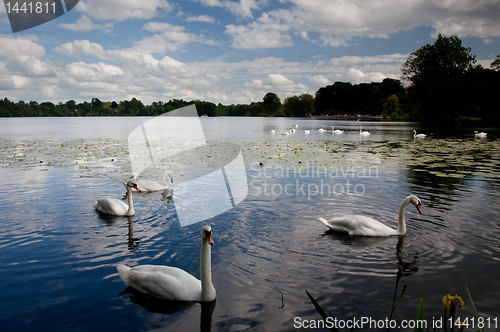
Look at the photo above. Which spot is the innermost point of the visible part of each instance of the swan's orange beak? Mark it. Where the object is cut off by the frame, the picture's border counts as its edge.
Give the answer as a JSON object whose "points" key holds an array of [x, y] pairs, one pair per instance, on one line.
{"points": [[136, 188], [210, 240], [418, 208]]}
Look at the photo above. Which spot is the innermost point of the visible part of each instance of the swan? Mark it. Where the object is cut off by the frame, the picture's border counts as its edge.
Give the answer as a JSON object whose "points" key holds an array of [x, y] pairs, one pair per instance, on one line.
{"points": [[296, 126], [115, 207], [171, 283], [337, 132], [293, 130], [287, 132], [145, 185], [273, 130], [366, 226], [321, 130], [419, 135], [363, 133], [481, 134], [307, 131]]}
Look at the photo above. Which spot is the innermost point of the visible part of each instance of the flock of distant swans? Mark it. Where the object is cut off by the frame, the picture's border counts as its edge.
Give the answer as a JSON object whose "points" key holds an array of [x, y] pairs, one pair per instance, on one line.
{"points": [[175, 284]]}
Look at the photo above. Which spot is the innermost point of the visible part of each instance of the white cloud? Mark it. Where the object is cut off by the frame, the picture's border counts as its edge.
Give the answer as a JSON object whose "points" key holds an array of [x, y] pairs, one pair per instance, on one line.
{"points": [[263, 33], [81, 71], [320, 80], [121, 10], [200, 18], [241, 8], [20, 46], [86, 24]]}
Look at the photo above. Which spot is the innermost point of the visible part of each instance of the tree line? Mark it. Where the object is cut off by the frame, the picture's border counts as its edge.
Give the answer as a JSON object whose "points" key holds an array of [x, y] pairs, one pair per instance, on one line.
{"points": [[444, 84]]}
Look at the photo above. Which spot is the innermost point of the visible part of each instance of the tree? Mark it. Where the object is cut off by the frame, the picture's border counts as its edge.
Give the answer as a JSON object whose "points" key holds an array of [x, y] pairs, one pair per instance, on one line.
{"points": [[391, 108], [437, 76], [271, 104], [495, 65], [299, 105]]}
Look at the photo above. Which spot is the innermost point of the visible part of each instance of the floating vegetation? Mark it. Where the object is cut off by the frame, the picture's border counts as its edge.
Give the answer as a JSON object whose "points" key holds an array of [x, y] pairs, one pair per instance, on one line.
{"points": [[455, 158]]}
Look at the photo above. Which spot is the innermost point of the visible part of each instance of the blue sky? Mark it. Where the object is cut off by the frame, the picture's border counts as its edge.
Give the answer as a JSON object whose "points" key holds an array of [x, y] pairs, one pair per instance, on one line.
{"points": [[229, 51]]}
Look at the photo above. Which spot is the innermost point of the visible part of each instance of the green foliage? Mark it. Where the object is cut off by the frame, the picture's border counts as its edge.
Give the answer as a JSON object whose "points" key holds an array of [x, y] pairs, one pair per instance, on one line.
{"points": [[302, 105], [391, 108], [364, 98], [271, 103], [420, 317], [444, 78], [495, 65]]}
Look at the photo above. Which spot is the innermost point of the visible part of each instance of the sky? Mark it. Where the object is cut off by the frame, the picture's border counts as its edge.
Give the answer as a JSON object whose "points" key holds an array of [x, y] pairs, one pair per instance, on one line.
{"points": [[229, 51]]}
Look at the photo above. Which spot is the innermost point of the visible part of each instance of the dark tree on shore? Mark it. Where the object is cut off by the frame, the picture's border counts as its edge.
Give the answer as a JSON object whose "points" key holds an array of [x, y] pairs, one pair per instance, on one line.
{"points": [[439, 86]]}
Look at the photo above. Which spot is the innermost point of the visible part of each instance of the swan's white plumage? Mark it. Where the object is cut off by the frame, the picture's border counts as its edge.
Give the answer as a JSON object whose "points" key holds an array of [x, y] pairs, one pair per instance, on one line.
{"points": [[337, 131], [481, 134], [366, 226], [172, 283], [165, 282], [418, 135], [145, 185], [363, 133], [115, 207]]}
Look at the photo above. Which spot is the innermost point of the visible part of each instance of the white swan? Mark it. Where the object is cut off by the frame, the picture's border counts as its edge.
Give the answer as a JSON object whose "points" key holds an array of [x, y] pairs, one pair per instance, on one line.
{"points": [[481, 134], [115, 207], [289, 132], [273, 130], [321, 130], [148, 185], [363, 133], [171, 283], [337, 132], [296, 126], [419, 135], [366, 226], [307, 131]]}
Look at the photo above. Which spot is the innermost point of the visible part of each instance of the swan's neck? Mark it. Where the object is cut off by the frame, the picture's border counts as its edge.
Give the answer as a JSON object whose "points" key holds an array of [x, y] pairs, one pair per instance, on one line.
{"points": [[130, 211], [401, 217], [207, 289], [164, 178]]}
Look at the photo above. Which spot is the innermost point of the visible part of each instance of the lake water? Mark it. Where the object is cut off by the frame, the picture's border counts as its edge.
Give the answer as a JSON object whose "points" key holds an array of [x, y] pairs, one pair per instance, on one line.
{"points": [[58, 255]]}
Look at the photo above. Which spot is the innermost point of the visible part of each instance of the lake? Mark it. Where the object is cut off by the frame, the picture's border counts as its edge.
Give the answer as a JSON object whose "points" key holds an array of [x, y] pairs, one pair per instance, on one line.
{"points": [[58, 255]]}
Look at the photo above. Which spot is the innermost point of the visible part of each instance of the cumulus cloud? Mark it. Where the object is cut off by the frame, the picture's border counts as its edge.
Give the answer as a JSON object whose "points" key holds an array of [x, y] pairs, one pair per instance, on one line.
{"points": [[263, 33], [242, 8], [93, 72], [200, 18], [20, 46], [86, 24], [120, 10]]}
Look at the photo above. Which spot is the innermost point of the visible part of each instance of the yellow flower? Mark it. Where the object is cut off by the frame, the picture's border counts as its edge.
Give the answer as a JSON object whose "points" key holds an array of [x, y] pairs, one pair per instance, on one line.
{"points": [[447, 299]]}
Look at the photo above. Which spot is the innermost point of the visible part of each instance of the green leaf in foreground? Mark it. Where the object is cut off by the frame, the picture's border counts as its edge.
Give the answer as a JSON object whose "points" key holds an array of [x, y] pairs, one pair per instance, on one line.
{"points": [[320, 310], [420, 317], [473, 306]]}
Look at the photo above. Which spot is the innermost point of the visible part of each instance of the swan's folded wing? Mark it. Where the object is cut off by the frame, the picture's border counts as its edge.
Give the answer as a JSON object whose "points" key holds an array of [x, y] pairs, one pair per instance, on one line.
{"points": [[359, 225], [165, 282], [111, 206]]}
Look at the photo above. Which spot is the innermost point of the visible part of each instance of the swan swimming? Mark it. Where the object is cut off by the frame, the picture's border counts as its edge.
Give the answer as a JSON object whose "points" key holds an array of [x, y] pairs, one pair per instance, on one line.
{"points": [[419, 135], [321, 130], [145, 185], [337, 132], [171, 283], [363, 133], [115, 207], [481, 134], [273, 130], [307, 131], [366, 226]]}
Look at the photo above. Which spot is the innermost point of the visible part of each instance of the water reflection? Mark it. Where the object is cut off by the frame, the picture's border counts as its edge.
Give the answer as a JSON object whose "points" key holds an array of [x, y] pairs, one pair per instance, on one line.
{"points": [[406, 264], [170, 307]]}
